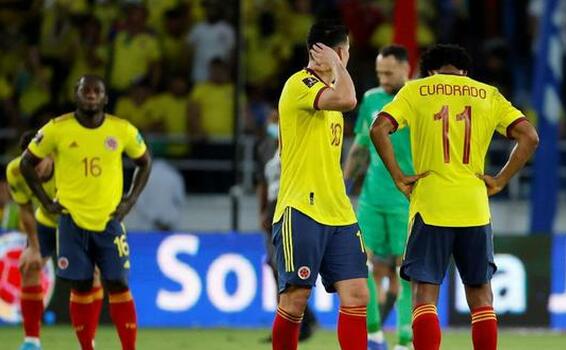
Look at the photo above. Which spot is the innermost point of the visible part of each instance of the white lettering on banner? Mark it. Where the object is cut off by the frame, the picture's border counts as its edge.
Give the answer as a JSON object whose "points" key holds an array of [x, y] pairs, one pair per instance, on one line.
{"points": [[557, 302], [269, 295], [179, 272], [246, 283], [509, 287]]}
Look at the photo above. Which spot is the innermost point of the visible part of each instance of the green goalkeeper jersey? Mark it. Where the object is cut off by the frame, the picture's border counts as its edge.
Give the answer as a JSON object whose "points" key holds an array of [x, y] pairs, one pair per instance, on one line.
{"points": [[379, 190]]}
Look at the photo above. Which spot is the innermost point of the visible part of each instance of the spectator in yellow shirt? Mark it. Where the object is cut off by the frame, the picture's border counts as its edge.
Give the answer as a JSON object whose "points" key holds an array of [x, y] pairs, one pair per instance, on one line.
{"points": [[211, 103], [135, 107]]}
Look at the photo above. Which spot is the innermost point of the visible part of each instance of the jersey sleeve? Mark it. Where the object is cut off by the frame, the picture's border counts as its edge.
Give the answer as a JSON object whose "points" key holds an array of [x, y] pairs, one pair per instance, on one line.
{"points": [[361, 128], [307, 91], [44, 142], [16, 184], [399, 110], [506, 114], [134, 145]]}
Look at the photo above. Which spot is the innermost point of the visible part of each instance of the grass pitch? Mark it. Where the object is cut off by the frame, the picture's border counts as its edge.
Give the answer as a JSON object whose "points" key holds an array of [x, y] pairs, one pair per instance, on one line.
{"points": [[63, 338]]}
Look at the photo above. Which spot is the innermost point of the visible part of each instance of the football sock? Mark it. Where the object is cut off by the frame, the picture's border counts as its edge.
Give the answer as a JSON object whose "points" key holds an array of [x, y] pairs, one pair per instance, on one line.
{"points": [[80, 308], [31, 303], [285, 332], [97, 298], [373, 319], [484, 328], [123, 314], [404, 313], [426, 328], [352, 328]]}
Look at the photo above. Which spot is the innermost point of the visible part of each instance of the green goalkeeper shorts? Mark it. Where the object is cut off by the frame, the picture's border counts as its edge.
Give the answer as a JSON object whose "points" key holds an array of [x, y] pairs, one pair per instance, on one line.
{"points": [[385, 234]]}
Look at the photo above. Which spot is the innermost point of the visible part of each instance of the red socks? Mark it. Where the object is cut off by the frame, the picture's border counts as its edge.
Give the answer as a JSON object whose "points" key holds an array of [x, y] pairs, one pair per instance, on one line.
{"points": [[484, 328], [426, 328], [97, 298], [31, 304], [123, 314], [286, 329], [352, 328], [80, 307]]}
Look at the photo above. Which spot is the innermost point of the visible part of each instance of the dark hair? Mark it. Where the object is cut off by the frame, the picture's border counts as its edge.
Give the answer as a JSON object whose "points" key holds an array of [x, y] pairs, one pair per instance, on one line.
{"points": [[397, 51], [26, 139], [443, 55], [90, 77], [329, 32]]}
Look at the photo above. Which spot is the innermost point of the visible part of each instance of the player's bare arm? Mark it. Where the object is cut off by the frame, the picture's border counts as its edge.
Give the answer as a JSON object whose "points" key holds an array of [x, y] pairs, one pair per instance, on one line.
{"points": [[356, 164], [379, 134], [527, 141], [141, 175], [31, 256], [27, 167], [342, 95]]}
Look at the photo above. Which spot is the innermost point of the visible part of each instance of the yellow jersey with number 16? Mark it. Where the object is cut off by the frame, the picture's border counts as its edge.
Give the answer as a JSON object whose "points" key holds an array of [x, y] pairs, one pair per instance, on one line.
{"points": [[310, 142], [452, 120], [89, 164]]}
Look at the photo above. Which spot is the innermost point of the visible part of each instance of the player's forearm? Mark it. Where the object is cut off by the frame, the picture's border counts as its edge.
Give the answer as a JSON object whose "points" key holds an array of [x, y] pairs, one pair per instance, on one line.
{"points": [[27, 219], [356, 163], [141, 175], [27, 167], [344, 87], [519, 156], [380, 138]]}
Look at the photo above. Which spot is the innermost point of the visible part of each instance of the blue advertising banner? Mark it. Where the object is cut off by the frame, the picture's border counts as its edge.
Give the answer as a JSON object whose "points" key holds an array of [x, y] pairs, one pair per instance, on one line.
{"points": [[214, 280], [557, 300]]}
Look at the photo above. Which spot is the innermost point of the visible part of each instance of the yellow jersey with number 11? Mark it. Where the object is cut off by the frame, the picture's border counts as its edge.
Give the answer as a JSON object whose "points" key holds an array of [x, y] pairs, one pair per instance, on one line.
{"points": [[310, 142], [452, 119], [88, 163]]}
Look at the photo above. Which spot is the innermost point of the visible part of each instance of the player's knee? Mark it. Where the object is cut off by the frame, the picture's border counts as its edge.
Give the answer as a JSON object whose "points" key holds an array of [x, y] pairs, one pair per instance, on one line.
{"points": [[116, 286], [81, 286], [294, 300]]}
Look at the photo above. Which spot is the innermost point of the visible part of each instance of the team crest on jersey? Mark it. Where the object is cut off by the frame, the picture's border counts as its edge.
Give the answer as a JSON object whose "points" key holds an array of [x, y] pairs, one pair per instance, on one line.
{"points": [[310, 81], [111, 143], [304, 272], [63, 263]]}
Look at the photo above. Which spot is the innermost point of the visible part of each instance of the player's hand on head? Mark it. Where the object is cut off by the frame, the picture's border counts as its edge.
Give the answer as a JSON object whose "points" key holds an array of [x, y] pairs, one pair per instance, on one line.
{"points": [[405, 183], [325, 58], [30, 259], [493, 183]]}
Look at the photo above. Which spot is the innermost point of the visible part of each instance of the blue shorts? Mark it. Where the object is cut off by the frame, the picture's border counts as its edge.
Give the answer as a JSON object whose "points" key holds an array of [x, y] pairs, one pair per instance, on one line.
{"points": [[305, 248], [47, 237], [79, 250], [429, 249]]}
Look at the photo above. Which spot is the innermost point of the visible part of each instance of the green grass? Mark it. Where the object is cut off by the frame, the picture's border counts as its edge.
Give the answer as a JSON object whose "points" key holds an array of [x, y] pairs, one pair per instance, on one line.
{"points": [[62, 338]]}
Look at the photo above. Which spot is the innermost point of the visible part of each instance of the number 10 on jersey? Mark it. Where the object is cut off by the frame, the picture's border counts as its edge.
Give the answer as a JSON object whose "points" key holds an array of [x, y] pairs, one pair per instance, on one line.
{"points": [[466, 117]]}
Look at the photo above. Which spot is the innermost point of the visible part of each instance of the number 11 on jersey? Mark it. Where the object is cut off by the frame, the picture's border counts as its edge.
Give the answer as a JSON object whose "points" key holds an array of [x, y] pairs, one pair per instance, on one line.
{"points": [[466, 117]]}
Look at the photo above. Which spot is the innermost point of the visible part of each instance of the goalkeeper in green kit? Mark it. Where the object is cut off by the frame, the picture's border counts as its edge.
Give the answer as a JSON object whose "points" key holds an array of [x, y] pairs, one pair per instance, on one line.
{"points": [[383, 211]]}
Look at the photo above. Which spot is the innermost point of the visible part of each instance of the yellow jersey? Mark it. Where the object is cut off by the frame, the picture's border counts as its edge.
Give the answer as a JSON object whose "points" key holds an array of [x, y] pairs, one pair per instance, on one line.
{"points": [[310, 148], [22, 194], [89, 164], [217, 118], [452, 120]]}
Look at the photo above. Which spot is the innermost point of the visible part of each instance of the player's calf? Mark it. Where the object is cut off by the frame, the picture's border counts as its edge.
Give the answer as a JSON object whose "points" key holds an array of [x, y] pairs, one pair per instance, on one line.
{"points": [[122, 312]]}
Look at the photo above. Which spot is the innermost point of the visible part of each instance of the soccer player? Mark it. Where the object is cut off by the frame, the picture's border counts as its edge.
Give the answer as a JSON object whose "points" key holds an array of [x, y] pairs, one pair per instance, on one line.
{"points": [[40, 228], [452, 120], [87, 146], [315, 229], [383, 211]]}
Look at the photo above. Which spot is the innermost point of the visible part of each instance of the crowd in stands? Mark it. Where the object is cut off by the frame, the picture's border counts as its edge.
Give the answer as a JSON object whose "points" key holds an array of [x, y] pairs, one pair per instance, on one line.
{"points": [[170, 65]]}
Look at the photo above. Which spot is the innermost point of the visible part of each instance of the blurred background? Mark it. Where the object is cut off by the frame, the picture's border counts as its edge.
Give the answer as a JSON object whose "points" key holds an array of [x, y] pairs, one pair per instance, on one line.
{"points": [[201, 80]]}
